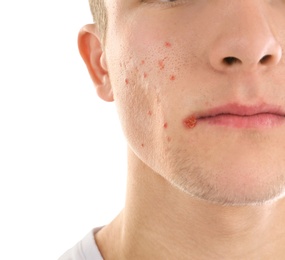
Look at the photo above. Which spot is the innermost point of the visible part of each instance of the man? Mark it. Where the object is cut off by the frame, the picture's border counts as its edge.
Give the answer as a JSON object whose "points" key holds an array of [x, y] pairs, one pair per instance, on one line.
{"points": [[200, 92]]}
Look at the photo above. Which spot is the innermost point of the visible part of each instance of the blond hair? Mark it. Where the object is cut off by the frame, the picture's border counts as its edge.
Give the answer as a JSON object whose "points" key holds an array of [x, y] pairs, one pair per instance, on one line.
{"points": [[99, 13]]}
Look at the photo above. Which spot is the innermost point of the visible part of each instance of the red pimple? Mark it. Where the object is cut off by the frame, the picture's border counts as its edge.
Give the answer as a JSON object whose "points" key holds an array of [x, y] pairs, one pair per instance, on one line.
{"points": [[165, 125], [190, 122], [145, 75], [142, 62], [172, 77], [167, 44], [142, 145], [127, 81], [161, 64], [149, 113]]}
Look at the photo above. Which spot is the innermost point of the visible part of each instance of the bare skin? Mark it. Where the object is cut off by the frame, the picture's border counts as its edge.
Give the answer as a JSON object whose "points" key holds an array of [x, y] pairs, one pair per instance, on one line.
{"points": [[160, 222], [199, 87]]}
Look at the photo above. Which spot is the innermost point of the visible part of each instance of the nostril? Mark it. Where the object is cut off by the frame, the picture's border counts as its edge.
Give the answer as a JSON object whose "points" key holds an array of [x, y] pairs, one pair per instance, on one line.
{"points": [[265, 59], [231, 60]]}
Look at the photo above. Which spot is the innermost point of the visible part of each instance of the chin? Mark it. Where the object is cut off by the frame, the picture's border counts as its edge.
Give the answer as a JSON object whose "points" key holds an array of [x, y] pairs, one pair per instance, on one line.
{"points": [[250, 198], [232, 196], [235, 170], [231, 187]]}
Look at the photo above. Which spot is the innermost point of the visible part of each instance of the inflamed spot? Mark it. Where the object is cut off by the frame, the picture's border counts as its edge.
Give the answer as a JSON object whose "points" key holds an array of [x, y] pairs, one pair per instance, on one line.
{"points": [[172, 77], [190, 122], [167, 44], [145, 75], [161, 64], [127, 81], [165, 125]]}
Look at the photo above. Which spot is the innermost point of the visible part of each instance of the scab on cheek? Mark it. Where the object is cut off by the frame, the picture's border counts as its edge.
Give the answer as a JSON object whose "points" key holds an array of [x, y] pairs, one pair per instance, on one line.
{"points": [[190, 122]]}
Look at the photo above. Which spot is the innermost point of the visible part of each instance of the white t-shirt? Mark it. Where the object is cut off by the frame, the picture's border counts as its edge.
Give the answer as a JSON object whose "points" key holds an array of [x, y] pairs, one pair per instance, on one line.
{"points": [[86, 249]]}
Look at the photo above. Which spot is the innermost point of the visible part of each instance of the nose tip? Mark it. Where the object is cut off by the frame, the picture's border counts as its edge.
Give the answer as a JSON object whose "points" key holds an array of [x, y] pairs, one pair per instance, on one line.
{"points": [[240, 53]]}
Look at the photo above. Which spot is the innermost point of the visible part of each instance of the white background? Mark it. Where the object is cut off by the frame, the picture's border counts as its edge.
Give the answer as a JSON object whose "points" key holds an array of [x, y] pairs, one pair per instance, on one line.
{"points": [[62, 152]]}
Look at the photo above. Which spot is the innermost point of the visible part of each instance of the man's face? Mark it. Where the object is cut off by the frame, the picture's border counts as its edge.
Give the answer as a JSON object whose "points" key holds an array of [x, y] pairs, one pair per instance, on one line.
{"points": [[200, 90]]}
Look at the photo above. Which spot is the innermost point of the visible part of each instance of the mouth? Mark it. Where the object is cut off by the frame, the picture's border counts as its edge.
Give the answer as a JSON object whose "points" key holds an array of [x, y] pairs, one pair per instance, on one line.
{"points": [[241, 116]]}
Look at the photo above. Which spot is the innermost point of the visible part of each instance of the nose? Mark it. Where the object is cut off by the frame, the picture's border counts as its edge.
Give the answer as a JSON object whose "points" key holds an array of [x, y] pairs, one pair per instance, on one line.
{"points": [[245, 40]]}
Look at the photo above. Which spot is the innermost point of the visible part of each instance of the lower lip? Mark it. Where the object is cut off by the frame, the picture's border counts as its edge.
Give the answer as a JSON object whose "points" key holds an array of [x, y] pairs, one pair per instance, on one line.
{"points": [[264, 120]]}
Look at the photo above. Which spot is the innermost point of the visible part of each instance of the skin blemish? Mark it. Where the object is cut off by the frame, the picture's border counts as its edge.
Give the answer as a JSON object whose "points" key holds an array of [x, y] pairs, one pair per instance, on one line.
{"points": [[169, 139], [172, 78], [142, 62], [127, 81], [142, 145], [149, 113], [190, 122], [161, 64], [167, 44], [165, 125], [145, 75]]}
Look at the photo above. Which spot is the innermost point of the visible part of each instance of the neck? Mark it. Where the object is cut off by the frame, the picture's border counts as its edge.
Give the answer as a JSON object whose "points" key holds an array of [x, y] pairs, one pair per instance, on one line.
{"points": [[161, 222]]}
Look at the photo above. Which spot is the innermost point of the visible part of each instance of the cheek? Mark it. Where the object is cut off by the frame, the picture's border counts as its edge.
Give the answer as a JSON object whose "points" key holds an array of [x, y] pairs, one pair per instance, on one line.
{"points": [[144, 67], [138, 82], [146, 75]]}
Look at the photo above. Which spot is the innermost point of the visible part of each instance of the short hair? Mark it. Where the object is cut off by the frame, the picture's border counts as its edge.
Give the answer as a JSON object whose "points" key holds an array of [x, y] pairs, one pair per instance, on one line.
{"points": [[99, 13]]}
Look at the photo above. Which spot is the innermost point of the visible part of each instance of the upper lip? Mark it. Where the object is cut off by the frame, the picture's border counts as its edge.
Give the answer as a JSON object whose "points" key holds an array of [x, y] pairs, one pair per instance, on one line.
{"points": [[237, 109]]}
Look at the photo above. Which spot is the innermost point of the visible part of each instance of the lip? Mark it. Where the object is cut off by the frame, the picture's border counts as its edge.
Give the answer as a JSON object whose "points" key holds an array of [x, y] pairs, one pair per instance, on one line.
{"points": [[243, 116]]}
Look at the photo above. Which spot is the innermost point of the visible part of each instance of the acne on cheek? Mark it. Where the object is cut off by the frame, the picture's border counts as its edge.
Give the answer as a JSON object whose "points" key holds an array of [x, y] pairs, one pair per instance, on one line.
{"points": [[141, 69], [167, 44], [168, 138], [161, 64]]}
